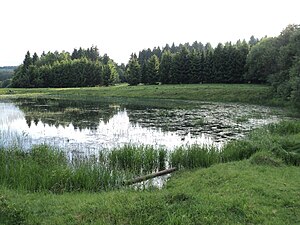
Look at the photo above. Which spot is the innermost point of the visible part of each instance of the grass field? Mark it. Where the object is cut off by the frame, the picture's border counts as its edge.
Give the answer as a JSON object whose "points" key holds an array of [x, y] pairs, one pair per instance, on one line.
{"points": [[243, 93]]}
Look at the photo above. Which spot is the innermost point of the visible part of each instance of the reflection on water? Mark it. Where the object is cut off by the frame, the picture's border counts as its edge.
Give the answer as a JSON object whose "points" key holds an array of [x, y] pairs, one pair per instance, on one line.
{"points": [[84, 126]]}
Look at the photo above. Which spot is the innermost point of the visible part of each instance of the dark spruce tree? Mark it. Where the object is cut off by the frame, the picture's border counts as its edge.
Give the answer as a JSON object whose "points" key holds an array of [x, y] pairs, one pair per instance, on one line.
{"points": [[152, 70], [133, 71], [144, 74], [165, 67], [184, 67], [22, 76], [196, 66]]}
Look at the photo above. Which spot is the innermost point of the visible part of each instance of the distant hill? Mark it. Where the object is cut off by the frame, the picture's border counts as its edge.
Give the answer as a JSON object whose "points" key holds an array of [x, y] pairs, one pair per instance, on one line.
{"points": [[6, 72], [8, 68]]}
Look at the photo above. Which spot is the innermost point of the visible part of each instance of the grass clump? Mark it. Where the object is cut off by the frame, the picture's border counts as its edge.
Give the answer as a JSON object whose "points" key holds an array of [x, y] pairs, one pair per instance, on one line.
{"points": [[193, 157], [137, 159], [238, 150], [266, 158]]}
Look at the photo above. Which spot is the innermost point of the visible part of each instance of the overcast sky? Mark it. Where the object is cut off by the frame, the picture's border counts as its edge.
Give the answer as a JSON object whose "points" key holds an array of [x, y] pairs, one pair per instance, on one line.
{"points": [[120, 27]]}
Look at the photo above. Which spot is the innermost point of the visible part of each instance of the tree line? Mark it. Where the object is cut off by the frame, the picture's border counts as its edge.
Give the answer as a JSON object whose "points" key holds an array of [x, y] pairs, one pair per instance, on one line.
{"points": [[196, 63], [270, 60], [81, 68]]}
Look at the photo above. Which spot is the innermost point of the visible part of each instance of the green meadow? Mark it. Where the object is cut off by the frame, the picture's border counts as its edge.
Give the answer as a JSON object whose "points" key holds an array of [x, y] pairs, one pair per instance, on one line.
{"points": [[242, 93]]}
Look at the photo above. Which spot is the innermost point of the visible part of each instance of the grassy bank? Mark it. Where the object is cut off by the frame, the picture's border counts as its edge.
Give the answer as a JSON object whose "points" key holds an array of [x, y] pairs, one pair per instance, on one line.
{"points": [[259, 184], [46, 169], [243, 93], [232, 193]]}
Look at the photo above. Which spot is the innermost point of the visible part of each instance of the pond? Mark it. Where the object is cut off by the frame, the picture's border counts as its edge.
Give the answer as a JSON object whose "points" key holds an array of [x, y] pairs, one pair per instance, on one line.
{"points": [[88, 127]]}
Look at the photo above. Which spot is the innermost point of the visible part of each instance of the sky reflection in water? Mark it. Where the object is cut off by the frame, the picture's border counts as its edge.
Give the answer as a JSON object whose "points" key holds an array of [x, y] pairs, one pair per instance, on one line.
{"points": [[93, 127]]}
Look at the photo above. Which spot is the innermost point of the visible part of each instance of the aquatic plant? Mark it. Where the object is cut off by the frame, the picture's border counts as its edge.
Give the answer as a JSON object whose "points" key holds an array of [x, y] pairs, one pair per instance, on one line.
{"points": [[194, 156], [137, 159], [45, 168]]}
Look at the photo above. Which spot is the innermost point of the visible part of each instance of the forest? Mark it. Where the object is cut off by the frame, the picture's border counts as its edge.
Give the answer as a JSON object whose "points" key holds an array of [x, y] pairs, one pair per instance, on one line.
{"points": [[271, 60], [81, 68]]}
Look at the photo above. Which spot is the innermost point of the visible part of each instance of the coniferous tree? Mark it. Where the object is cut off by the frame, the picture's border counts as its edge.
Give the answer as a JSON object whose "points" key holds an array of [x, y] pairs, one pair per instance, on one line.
{"points": [[105, 59], [27, 61], [152, 70], [133, 71], [35, 58], [75, 54], [114, 76], [165, 67], [208, 67], [144, 73], [106, 74], [253, 41], [173, 48], [195, 66], [157, 52], [184, 68], [175, 69], [217, 72], [239, 59]]}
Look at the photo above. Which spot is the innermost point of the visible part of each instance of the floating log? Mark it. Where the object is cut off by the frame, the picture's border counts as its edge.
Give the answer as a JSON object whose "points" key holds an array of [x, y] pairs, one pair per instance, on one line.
{"points": [[149, 176]]}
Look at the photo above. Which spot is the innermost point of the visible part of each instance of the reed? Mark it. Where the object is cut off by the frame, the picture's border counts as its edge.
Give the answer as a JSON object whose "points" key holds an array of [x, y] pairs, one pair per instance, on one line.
{"points": [[44, 168], [137, 159], [194, 156]]}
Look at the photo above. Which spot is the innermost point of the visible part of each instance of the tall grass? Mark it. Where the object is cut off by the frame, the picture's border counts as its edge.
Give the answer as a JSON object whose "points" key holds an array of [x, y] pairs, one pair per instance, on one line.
{"points": [[44, 168], [282, 139], [137, 159], [194, 156]]}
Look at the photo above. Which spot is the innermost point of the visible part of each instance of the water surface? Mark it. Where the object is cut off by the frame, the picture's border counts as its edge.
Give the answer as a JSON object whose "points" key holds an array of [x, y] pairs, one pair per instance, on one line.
{"points": [[92, 126]]}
